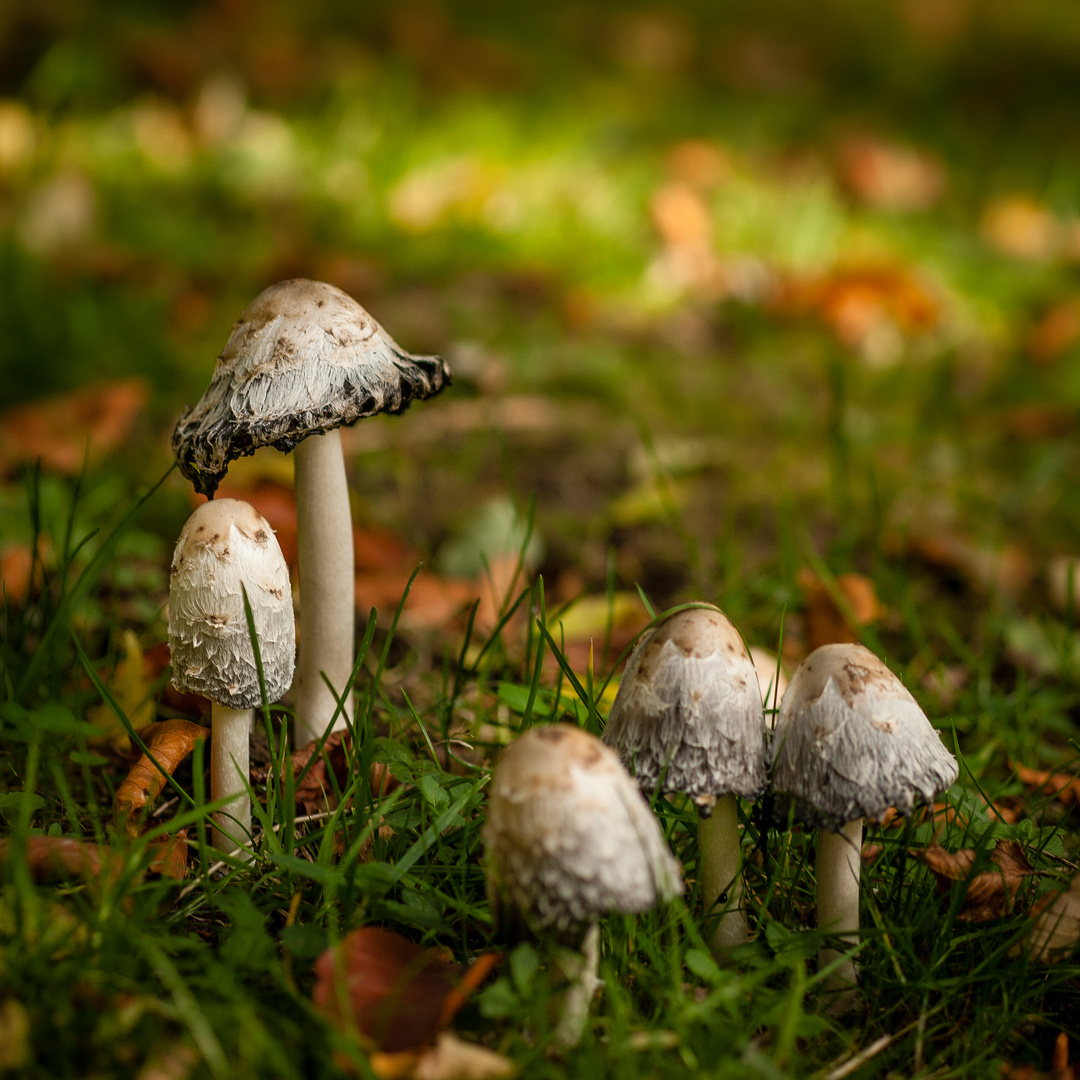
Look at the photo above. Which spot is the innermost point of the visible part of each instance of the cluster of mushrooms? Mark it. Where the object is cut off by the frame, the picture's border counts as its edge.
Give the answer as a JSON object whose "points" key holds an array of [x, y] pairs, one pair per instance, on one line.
{"points": [[570, 835]]}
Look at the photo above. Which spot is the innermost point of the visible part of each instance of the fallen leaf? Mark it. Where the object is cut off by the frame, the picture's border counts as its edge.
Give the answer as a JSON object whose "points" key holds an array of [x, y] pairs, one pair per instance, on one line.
{"points": [[698, 162], [16, 566], [133, 693], [988, 895], [826, 622], [889, 176], [169, 856], [174, 1061], [433, 602], [170, 741], [1056, 930], [63, 430], [272, 498], [1038, 420], [1007, 569], [1056, 331], [450, 1058], [14, 1035], [58, 858], [1063, 786], [1019, 226], [396, 994]]}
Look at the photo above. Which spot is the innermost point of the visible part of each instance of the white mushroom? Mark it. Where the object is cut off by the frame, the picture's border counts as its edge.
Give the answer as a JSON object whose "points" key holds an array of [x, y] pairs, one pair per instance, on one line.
{"points": [[225, 547], [305, 359], [688, 717], [851, 742], [569, 838]]}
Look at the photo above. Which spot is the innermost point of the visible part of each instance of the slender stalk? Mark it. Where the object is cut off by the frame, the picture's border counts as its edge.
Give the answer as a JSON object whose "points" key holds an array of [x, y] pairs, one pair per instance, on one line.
{"points": [[229, 769], [327, 588], [839, 860], [721, 874], [581, 969]]}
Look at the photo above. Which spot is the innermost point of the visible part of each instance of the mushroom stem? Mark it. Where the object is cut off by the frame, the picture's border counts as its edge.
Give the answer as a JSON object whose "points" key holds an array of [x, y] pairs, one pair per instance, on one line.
{"points": [[327, 589], [721, 874], [581, 969], [839, 859], [229, 729]]}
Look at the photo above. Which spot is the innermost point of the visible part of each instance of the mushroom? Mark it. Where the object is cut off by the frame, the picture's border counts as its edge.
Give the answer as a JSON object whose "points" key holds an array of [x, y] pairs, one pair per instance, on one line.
{"points": [[305, 359], [569, 838], [225, 548], [688, 718], [850, 742]]}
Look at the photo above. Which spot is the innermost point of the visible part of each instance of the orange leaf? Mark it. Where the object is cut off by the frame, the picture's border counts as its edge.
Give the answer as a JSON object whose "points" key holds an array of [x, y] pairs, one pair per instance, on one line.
{"points": [[1056, 331], [1006, 569], [1062, 786], [825, 621], [59, 430], [988, 895], [170, 742], [169, 856], [397, 994], [890, 176], [57, 858]]}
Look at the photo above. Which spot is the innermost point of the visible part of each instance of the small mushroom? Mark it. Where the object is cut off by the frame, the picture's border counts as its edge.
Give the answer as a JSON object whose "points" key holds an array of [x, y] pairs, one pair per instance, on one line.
{"points": [[850, 743], [688, 718], [304, 360], [569, 838], [225, 548]]}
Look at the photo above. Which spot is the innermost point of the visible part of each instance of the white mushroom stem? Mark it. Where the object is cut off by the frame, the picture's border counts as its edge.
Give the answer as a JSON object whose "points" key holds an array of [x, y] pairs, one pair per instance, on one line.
{"points": [[229, 770], [581, 969], [721, 874], [327, 590], [839, 861]]}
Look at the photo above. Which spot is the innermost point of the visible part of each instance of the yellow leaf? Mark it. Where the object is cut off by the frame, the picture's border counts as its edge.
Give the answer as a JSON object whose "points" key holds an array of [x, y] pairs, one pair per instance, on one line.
{"points": [[133, 693]]}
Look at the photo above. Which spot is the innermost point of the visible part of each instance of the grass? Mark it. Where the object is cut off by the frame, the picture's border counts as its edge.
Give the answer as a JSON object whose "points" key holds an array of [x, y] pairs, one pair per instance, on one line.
{"points": [[217, 969]]}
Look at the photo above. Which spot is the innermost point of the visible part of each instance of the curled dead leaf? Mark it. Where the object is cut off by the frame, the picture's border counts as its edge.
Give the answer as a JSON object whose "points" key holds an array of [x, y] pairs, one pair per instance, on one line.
{"points": [[393, 992], [1056, 929], [988, 895], [170, 742], [1061, 786]]}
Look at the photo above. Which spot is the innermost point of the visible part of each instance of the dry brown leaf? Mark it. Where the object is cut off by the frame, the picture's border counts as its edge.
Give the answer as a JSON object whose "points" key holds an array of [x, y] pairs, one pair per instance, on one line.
{"points": [[889, 176], [1062, 786], [1038, 420], [61, 430], [396, 994], [825, 622], [1056, 930], [1054, 333], [170, 741], [699, 162], [989, 895], [1007, 569], [168, 856], [1018, 226], [433, 602], [174, 1061], [16, 567], [450, 1058], [57, 858]]}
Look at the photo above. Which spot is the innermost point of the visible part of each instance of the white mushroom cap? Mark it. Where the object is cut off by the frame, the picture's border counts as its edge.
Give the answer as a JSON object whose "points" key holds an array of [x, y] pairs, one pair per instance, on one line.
{"points": [[303, 359], [224, 545], [569, 836], [689, 703], [851, 741]]}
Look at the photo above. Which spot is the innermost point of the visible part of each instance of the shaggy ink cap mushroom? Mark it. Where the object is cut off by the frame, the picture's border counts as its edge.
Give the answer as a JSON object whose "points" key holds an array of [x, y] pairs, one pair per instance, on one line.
{"points": [[225, 548], [303, 359], [569, 836], [688, 717], [851, 742]]}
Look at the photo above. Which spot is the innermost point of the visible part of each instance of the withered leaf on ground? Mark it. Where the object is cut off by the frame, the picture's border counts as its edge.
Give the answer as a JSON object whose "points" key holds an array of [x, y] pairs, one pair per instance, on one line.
{"points": [[170, 741], [988, 895], [450, 1058], [397, 994], [1056, 930], [58, 858], [826, 623], [1062, 786]]}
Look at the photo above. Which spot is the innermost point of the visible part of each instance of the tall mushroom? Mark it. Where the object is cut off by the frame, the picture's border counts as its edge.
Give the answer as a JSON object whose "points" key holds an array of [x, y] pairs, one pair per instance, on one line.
{"points": [[569, 838], [688, 718], [225, 548], [850, 742], [305, 359]]}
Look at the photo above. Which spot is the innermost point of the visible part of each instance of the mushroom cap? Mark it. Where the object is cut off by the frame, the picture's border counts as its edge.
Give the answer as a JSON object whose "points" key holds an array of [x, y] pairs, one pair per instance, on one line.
{"points": [[303, 359], [851, 741], [570, 837], [226, 545], [688, 714]]}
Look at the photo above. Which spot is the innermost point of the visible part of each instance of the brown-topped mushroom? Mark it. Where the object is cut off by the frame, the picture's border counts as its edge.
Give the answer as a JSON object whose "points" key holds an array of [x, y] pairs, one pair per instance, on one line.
{"points": [[850, 743], [225, 548], [688, 718], [305, 359], [569, 838]]}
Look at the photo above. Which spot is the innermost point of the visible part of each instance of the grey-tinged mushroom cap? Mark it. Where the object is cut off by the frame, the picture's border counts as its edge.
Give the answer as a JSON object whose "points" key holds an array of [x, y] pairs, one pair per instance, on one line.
{"points": [[569, 836], [226, 546], [851, 741], [688, 713], [304, 358]]}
